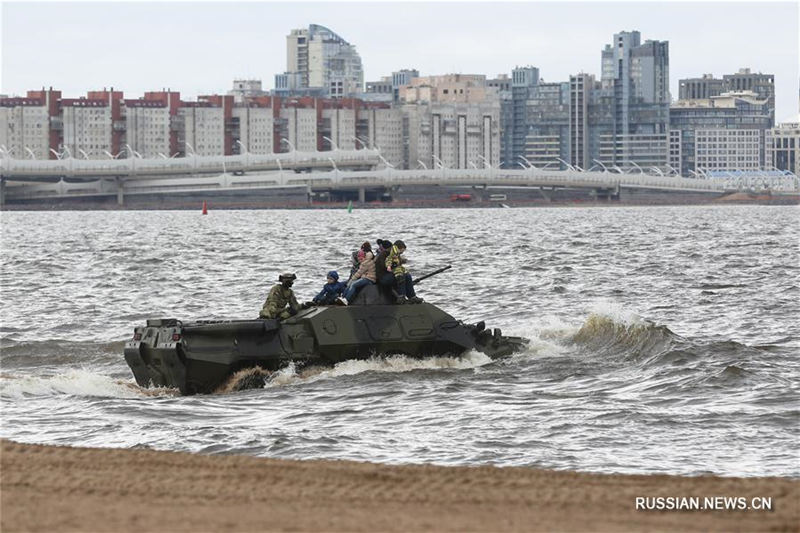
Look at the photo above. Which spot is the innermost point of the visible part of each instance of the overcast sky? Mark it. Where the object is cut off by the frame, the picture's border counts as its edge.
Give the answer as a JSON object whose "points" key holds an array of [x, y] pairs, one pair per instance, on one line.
{"points": [[200, 47]]}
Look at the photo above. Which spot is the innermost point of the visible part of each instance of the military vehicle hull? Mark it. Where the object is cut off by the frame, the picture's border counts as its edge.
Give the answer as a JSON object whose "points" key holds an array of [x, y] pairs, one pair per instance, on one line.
{"points": [[198, 357]]}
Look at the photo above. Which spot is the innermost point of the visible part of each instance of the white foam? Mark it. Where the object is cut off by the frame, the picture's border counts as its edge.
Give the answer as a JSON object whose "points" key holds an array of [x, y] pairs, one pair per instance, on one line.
{"points": [[391, 364], [547, 335], [73, 382], [617, 313]]}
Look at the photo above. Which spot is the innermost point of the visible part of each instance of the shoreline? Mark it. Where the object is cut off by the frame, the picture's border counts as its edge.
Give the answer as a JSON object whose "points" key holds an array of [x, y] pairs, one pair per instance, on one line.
{"points": [[54, 488]]}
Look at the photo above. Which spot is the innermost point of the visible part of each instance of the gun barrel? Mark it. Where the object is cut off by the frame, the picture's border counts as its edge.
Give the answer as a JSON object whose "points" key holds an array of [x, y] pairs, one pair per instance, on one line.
{"points": [[426, 276]]}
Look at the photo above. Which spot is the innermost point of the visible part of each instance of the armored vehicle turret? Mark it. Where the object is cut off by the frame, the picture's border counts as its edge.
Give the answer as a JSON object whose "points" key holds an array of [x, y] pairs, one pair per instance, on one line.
{"points": [[199, 356]]}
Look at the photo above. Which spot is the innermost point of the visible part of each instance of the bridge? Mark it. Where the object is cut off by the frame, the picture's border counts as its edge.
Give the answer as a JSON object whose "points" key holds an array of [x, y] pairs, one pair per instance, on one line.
{"points": [[134, 167], [355, 170]]}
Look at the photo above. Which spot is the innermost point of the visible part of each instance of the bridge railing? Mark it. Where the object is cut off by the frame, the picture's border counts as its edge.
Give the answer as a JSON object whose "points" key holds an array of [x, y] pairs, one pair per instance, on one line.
{"points": [[78, 168]]}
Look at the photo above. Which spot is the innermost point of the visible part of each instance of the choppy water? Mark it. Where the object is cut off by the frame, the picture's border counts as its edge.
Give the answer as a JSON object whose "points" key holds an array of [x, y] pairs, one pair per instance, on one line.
{"points": [[663, 339]]}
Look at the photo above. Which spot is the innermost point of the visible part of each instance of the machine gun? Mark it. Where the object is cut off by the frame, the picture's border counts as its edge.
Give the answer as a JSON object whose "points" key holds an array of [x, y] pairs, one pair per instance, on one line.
{"points": [[426, 276]]}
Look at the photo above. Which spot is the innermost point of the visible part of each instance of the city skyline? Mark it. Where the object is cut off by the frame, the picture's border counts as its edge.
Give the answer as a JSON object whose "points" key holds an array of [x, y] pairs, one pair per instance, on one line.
{"points": [[398, 35]]}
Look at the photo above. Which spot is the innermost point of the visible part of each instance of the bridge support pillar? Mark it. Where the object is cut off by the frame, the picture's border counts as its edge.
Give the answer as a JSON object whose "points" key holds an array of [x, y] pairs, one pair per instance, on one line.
{"points": [[544, 194], [362, 195], [120, 192], [2, 191]]}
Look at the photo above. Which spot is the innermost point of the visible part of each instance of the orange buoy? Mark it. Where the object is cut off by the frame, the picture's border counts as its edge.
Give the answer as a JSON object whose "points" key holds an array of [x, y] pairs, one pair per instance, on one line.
{"points": [[205, 208]]}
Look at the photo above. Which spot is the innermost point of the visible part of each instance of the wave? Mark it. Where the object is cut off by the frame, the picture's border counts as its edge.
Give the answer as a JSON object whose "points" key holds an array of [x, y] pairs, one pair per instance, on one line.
{"points": [[290, 375], [74, 383], [620, 332], [57, 352], [633, 338]]}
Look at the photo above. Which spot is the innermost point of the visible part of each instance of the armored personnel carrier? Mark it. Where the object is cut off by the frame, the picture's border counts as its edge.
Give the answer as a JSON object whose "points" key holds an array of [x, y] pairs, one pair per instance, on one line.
{"points": [[197, 357]]}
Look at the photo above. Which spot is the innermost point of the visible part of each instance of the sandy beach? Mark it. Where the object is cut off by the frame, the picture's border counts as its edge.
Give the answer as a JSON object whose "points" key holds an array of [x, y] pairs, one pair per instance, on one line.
{"points": [[49, 488]]}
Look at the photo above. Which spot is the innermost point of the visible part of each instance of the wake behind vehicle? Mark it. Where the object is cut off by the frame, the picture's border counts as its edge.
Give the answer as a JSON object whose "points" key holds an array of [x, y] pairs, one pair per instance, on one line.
{"points": [[199, 356]]}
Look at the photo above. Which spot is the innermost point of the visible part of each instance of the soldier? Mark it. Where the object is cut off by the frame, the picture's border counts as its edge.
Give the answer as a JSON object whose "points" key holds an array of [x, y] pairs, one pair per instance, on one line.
{"points": [[281, 296]]}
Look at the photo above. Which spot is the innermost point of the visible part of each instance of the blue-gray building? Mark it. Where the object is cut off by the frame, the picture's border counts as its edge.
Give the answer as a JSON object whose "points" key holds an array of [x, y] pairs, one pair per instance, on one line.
{"points": [[621, 120], [635, 96], [744, 80], [514, 96], [723, 132]]}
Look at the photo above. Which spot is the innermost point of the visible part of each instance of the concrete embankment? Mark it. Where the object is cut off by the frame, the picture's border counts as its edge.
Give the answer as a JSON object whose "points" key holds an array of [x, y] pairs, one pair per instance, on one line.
{"points": [[416, 196]]}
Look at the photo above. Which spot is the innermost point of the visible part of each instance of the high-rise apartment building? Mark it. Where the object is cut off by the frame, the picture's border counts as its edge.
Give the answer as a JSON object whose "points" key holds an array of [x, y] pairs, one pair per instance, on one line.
{"points": [[547, 117], [25, 124], [147, 126], [149, 123], [206, 126], [523, 81], [503, 85], [621, 120], [783, 147], [763, 85], [318, 59], [87, 127], [254, 123], [103, 124], [338, 125], [383, 127], [580, 91], [724, 132], [635, 85], [453, 121], [514, 92]]}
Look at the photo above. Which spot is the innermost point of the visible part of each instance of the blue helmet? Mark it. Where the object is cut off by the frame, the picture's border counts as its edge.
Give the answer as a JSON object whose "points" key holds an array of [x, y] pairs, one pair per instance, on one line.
{"points": [[333, 274]]}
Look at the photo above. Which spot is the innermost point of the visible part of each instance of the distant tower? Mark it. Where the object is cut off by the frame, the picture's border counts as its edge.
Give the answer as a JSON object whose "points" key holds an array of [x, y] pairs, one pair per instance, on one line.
{"points": [[635, 82], [522, 80], [317, 58], [580, 87]]}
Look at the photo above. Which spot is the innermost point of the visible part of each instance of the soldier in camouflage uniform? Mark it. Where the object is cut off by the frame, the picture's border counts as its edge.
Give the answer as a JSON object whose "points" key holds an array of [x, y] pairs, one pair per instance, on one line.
{"points": [[279, 297]]}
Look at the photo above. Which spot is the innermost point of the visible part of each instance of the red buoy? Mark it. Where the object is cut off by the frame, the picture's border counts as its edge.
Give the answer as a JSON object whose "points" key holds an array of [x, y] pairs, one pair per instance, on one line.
{"points": [[205, 208]]}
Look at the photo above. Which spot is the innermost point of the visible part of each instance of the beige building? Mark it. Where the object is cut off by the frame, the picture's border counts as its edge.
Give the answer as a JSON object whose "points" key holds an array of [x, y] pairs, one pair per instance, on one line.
{"points": [[339, 125], [318, 58], [725, 149], [256, 129], [385, 131], [301, 128], [453, 121], [147, 128], [24, 126], [203, 130], [87, 128]]}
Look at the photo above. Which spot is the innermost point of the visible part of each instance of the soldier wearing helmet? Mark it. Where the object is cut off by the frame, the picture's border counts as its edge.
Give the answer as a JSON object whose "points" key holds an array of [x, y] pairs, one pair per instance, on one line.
{"points": [[281, 302]]}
